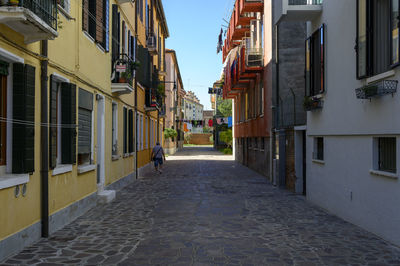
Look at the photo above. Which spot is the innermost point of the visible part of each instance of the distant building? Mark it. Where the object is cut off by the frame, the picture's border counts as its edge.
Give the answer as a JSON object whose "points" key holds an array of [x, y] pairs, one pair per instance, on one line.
{"points": [[174, 93], [193, 113]]}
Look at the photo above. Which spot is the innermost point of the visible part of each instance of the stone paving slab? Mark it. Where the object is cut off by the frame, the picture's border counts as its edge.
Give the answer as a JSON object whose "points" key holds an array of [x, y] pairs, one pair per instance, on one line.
{"points": [[206, 209]]}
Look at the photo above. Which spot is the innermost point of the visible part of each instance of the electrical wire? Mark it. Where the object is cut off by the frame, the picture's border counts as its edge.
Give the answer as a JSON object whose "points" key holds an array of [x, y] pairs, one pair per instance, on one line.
{"points": [[30, 123]]}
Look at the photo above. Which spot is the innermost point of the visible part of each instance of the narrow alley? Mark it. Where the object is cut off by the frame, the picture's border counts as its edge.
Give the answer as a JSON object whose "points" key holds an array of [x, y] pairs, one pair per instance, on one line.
{"points": [[206, 209]]}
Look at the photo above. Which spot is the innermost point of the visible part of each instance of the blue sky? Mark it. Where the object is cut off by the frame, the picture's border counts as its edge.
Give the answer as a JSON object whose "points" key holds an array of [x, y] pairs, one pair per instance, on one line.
{"points": [[194, 27]]}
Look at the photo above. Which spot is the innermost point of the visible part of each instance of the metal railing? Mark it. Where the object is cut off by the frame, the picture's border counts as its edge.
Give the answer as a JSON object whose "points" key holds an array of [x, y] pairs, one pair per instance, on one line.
{"points": [[151, 41], [254, 57], [305, 2], [44, 9], [123, 68]]}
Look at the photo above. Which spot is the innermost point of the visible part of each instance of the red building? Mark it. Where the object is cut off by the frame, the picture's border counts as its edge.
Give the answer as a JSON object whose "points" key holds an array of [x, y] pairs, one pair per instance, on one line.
{"points": [[247, 81]]}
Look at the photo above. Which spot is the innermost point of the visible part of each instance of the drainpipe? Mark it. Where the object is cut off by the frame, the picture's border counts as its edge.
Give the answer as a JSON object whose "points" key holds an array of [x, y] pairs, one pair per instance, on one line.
{"points": [[44, 142], [136, 94]]}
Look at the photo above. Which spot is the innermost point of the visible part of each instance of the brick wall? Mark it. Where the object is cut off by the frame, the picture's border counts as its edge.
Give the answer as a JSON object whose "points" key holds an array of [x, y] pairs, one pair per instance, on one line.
{"points": [[200, 139]]}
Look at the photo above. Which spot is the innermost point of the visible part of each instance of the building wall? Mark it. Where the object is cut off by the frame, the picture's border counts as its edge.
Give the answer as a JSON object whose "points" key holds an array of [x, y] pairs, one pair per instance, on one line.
{"points": [[74, 57], [342, 183]]}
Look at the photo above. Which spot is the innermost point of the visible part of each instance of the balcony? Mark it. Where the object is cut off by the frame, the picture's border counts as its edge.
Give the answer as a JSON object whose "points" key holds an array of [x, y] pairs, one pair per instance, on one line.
{"points": [[151, 43], [124, 1], [153, 100], [297, 10], [377, 89], [243, 13], [36, 20], [123, 73]]}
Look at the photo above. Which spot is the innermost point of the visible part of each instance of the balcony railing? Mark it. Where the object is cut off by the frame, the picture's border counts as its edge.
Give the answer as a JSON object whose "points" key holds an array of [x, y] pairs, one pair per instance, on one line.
{"points": [[45, 10], [123, 69], [254, 57], [377, 89], [153, 99], [297, 10], [304, 2], [151, 43]]}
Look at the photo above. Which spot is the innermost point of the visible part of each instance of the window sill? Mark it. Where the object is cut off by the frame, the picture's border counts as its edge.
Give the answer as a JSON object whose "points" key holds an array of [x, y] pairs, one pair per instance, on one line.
{"points": [[318, 161], [381, 76], [62, 169], [86, 168], [384, 174], [115, 157], [10, 180], [65, 13], [91, 39]]}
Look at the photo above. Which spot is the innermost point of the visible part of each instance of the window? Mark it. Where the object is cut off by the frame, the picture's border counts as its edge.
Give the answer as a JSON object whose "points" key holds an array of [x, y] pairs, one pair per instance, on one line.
{"points": [[64, 4], [377, 36], [385, 154], [95, 17], [3, 111], [62, 146], [315, 62], [19, 144], [114, 129], [318, 153], [85, 127]]}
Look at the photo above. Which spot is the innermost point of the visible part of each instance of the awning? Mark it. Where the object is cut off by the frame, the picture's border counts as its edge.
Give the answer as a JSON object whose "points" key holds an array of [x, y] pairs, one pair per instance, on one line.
{"points": [[229, 58]]}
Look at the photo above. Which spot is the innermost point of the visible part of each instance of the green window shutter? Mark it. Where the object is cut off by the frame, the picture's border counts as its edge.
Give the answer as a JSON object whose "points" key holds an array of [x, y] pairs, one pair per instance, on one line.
{"points": [[68, 120], [125, 127], [85, 121], [23, 143], [130, 131], [73, 123], [4, 68], [53, 123]]}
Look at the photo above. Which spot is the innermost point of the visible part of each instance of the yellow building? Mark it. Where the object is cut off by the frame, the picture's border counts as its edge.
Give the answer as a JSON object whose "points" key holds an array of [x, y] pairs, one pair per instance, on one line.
{"points": [[152, 30], [75, 122]]}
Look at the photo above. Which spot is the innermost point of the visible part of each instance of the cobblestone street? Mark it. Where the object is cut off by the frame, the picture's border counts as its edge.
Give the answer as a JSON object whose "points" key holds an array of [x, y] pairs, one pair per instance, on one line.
{"points": [[207, 210]]}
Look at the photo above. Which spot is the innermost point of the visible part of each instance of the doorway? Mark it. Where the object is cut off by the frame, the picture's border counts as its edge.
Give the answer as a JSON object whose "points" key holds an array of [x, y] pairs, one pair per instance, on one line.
{"points": [[100, 142]]}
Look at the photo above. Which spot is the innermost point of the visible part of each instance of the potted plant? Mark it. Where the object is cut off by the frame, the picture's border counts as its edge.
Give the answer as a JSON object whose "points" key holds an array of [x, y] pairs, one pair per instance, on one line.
{"points": [[311, 103], [134, 65], [125, 77], [161, 89], [13, 2]]}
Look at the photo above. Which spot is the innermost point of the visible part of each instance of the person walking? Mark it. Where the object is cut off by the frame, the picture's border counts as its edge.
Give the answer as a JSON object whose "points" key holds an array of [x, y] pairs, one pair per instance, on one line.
{"points": [[157, 155]]}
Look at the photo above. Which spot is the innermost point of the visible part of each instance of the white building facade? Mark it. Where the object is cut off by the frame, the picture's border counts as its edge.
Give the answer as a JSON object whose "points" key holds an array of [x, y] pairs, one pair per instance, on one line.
{"points": [[353, 126], [193, 113]]}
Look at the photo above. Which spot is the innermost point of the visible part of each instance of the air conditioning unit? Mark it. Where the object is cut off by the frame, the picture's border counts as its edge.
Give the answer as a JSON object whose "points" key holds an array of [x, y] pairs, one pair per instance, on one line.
{"points": [[254, 60]]}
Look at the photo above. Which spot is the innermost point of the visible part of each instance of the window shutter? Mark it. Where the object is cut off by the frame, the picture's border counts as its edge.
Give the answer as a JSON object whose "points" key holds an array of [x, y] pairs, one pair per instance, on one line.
{"points": [[73, 128], [125, 128], [53, 123], [115, 29], [362, 39], [68, 121], [395, 21], [130, 130], [85, 122], [123, 38], [85, 15], [322, 58], [23, 110], [106, 25], [99, 21]]}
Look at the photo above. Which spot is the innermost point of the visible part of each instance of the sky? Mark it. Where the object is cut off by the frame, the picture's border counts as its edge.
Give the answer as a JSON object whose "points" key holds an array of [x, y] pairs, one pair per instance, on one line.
{"points": [[194, 27]]}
